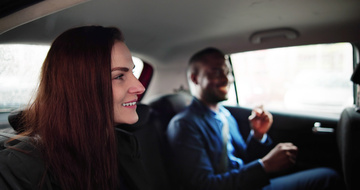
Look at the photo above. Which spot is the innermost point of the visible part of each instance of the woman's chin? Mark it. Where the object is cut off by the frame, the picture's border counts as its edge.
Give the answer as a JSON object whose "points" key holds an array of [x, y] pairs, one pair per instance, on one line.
{"points": [[128, 120]]}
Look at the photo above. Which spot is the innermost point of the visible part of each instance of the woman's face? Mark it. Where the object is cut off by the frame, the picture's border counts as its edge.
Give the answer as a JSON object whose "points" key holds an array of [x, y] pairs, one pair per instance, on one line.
{"points": [[125, 85]]}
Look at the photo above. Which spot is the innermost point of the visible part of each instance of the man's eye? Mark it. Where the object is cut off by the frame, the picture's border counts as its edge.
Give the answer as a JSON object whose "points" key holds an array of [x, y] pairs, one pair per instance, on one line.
{"points": [[219, 72]]}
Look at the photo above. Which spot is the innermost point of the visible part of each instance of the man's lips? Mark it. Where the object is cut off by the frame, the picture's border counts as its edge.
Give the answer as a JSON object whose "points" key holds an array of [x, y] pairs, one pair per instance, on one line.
{"points": [[223, 89]]}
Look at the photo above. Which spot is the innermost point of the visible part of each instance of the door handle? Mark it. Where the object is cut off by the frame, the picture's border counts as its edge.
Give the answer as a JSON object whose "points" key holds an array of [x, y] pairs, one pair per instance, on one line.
{"points": [[318, 129]]}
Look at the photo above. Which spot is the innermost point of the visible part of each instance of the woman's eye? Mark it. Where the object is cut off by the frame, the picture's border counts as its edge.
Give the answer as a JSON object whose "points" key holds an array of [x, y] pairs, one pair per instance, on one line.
{"points": [[119, 76]]}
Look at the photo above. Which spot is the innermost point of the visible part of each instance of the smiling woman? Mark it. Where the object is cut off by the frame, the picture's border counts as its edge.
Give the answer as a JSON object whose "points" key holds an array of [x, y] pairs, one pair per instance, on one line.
{"points": [[303, 91], [69, 139], [125, 85]]}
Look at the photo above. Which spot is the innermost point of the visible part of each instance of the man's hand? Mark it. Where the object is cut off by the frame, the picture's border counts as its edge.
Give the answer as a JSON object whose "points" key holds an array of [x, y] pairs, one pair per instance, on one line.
{"points": [[282, 157], [260, 121]]}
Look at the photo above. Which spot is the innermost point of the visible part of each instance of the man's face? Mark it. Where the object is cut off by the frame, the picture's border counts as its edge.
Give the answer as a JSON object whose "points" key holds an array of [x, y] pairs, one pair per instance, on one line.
{"points": [[213, 79]]}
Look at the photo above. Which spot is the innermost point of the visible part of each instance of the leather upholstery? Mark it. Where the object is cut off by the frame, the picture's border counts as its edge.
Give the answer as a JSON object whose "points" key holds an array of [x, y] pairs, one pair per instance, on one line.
{"points": [[348, 134], [167, 106]]}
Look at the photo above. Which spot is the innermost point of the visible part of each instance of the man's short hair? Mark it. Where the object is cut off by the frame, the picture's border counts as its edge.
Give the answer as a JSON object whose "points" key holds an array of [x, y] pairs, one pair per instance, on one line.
{"points": [[200, 55]]}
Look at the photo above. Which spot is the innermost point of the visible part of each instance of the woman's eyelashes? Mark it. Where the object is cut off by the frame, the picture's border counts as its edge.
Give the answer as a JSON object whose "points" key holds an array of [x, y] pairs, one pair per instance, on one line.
{"points": [[122, 76], [119, 77]]}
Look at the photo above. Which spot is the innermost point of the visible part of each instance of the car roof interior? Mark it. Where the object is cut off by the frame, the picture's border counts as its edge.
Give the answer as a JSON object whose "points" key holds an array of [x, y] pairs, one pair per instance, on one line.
{"points": [[168, 32], [165, 33]]}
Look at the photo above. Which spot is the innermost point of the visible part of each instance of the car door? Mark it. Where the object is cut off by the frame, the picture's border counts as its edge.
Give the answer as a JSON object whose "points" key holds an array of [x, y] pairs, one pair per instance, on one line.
{"points": [[305, 88], [316, 147]]}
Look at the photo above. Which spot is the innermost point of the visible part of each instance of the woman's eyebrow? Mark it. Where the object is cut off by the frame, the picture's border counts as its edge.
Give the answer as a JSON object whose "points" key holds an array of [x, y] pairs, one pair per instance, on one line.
{"points": [[124, 69]]}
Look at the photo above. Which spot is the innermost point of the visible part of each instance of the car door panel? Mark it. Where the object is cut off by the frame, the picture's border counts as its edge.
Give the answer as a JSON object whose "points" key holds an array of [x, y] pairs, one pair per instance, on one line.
{"points": [[315, 149]]}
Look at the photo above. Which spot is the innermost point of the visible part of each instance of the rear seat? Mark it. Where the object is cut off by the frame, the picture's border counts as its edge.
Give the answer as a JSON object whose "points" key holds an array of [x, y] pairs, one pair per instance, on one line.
{"points": [[151, 153], [167, 106], [151, 137]]}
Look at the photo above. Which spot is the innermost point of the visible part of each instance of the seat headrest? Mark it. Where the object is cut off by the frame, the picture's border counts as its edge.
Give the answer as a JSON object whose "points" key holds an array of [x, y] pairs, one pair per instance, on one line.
{"points": [[171, 104], [355, 77], [14, 119]]}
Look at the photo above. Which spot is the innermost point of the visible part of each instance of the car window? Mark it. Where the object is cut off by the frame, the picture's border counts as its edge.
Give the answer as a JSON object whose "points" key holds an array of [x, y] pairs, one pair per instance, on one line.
{"points": [[20, 66], [311, 79]]}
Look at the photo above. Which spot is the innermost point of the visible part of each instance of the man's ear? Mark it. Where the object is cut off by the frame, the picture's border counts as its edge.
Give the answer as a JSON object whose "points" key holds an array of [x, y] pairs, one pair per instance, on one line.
{"points": [[193, 78]]}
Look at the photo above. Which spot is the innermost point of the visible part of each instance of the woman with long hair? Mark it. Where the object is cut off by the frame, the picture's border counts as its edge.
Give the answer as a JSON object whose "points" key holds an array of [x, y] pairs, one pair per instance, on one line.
{"points": [[69, 140]]}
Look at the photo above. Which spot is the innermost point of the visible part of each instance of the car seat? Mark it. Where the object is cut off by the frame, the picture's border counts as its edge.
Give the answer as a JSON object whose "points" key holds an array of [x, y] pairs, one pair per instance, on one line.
{"points": [[167, 106], [155, 153], [348, 132], [151, 137]]}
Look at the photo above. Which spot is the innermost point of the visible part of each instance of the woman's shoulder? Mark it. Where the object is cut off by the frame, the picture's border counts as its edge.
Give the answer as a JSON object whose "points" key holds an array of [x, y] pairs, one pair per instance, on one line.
{"points": [[20, 152], [20, 166]]}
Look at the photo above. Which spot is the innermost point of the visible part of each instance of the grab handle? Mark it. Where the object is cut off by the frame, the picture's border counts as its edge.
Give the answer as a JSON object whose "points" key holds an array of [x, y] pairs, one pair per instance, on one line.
{"points": [[318, 129]]}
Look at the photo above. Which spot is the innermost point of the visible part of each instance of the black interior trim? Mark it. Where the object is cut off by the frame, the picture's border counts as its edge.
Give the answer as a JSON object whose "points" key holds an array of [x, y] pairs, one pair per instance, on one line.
{"points": [[8, 7]]}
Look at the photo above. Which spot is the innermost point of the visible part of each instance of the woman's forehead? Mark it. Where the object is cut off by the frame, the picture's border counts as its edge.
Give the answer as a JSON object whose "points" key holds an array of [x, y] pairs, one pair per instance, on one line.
{"points": [[121, 56]]}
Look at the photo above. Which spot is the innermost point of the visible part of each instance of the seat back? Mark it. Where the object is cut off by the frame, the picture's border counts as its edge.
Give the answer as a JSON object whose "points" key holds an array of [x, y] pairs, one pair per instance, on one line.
{"points": [[348, 133], [150, 147], [151, 137], [167, 106], [348, 130], [150, 151]]}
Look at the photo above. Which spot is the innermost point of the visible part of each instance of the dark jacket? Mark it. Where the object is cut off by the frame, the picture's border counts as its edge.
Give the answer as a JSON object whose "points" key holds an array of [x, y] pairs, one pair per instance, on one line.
{"points": [[21, 167], [196, 144]]}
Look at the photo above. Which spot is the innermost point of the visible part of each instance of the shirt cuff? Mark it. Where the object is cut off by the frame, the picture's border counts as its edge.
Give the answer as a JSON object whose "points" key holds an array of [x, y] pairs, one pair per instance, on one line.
{"points": [[264, 138], [261, 163]]}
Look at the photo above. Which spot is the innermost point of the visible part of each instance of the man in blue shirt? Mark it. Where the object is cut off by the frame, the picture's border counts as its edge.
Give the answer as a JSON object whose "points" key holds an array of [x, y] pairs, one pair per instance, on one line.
{"points": [[209, 151]]}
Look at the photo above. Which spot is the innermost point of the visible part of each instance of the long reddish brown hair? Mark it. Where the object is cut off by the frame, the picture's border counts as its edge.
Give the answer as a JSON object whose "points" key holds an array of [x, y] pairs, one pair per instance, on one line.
{"points": [[72, 113]]}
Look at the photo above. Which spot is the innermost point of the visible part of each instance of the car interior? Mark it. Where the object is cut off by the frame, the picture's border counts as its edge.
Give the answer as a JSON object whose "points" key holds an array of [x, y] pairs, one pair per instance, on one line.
{"points": [[298, 58]]}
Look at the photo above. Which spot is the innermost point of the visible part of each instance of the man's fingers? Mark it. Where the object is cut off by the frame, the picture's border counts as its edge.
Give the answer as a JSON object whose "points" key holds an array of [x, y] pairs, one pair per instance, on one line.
{"points": [[292, 157], [252, 116], [257, 112]]}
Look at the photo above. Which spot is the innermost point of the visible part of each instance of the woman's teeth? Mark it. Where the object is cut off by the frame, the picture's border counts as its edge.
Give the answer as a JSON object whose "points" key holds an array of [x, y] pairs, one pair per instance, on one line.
{"points": [[129, 104]]}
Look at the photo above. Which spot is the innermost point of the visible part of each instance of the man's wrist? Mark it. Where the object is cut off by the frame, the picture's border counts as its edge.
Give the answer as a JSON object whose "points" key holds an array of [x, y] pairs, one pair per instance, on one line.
{"points": [[260, 137]]}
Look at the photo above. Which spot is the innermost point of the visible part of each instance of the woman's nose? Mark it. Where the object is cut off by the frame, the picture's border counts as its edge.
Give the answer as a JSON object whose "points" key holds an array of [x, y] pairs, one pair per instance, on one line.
{"points": [[137, 87]]}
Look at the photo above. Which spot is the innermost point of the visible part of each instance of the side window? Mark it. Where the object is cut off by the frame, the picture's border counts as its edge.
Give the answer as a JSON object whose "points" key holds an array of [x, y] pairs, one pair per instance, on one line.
{"points": [[20, 66], [311, 79]]}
